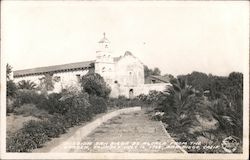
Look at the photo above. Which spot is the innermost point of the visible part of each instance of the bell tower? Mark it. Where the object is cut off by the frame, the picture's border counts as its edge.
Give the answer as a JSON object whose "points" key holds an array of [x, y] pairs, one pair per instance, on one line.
{"points": [[104, 47], [104, 64]]}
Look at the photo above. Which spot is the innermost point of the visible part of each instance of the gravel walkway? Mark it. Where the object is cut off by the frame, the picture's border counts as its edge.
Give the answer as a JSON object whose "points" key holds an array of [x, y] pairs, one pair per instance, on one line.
{"points": [[131, 132]]}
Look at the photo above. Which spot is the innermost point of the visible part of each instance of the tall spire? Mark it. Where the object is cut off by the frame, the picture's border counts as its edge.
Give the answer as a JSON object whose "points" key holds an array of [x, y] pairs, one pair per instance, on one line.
{"points": [[104, 39]]}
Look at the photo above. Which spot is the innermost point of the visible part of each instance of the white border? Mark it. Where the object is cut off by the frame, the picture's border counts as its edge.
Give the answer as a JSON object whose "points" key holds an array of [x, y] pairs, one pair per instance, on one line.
{"points": [[5, 155]]}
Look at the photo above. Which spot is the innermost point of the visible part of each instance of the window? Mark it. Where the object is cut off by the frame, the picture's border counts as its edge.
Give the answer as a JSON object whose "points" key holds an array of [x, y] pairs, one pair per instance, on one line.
{"points": [[78, 77], [103, 69], [57, 78]]}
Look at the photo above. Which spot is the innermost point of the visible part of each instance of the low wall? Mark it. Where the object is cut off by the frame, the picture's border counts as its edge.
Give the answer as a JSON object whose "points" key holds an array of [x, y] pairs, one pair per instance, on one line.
{"points": [[87, 129]]}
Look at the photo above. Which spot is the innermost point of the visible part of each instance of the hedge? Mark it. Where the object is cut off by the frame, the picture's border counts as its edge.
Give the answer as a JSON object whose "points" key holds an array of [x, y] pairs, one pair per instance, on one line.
{"points": [[69, 109]]}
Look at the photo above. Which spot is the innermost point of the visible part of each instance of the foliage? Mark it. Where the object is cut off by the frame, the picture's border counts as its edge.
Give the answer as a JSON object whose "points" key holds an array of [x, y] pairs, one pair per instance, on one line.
{"points": [[33, 135], [180, 106], [26, 85], [152, 98], [200, 81], [20, 142], [75, 107], [148, 72], [52, 129], [8, 71], [11, 88], [51, 103], [94, 84], [123, 102], [212, 97], [46, 83], [98, 104], [66, 109], [25, 96], [31, 110], [9, 105]]}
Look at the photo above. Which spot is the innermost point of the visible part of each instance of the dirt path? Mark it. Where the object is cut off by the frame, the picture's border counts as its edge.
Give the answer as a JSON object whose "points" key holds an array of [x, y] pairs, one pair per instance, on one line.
{"points": [[131, 132]]}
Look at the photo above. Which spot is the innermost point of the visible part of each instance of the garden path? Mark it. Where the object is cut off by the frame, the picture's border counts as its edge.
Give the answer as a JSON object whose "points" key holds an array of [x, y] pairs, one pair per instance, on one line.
{"points": [[129, 132]]}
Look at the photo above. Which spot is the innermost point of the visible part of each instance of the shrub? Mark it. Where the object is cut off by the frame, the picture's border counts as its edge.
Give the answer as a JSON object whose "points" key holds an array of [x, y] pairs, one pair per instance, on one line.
{"points": [[26, 84], [59, 120], [33, 135], [27, 96], [51, 104], [31, 110], [36, 132], [20, 142], [98, 104], [68, 108], [52, 129], [9, 104], [75, 107], [11, 89], [122, 102], [94, 84]]}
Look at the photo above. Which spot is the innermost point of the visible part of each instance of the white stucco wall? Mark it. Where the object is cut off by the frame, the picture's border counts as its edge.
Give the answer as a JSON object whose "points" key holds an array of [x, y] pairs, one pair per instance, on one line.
{"points": [[67, 79], [129, 71], [33, 78]]}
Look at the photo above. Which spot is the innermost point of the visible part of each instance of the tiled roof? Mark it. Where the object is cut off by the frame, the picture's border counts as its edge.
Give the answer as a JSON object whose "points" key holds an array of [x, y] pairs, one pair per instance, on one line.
{"points": [[161, 78], [117, 58], [55, 68], [164, 79]]}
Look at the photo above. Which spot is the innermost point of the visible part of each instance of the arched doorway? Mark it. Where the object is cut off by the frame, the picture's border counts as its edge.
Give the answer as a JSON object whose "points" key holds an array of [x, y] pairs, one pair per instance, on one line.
{"points": [[131, 93]]}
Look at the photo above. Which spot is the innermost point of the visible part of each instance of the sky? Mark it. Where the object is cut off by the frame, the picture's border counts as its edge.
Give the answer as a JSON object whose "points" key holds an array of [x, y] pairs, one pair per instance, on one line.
{"points": [[178, 37]]}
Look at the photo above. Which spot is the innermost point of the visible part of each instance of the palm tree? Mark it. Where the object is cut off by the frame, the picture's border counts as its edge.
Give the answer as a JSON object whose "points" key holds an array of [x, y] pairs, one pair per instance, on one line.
{"points": [[26, 84], [180, 105]]}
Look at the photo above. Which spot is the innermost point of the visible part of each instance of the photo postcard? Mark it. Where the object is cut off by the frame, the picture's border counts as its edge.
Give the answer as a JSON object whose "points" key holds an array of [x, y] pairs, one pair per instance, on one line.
{"points": [[124, 80]]}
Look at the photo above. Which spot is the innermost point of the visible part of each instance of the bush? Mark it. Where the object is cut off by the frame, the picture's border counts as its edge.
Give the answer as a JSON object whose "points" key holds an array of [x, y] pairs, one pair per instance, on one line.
{"points": [[20, 142], [98, 104], [51, 104], [94, 84], [52, 129], [68, 108], [9, 104], [123, 102], [36, 132], [75, 107], [24, 96], [33, 135], [11, 89], [31, 110]]}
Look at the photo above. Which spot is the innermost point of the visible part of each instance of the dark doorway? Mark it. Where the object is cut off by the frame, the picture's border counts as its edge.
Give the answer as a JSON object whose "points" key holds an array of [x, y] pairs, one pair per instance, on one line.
{"points": [[131, 93]]}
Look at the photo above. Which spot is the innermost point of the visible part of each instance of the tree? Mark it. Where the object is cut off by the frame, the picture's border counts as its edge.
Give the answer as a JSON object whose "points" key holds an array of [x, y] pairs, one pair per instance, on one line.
{"points": [[148, 72], [26, 85], [181, 105], [46, 83], [94, 84], [8, 71], [11, 86], [156, 72]]}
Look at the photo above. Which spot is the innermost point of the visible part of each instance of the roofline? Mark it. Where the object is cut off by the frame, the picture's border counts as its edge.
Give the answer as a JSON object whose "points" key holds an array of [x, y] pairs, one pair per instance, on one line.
{"points": [[16, 75], [158, 78]]}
